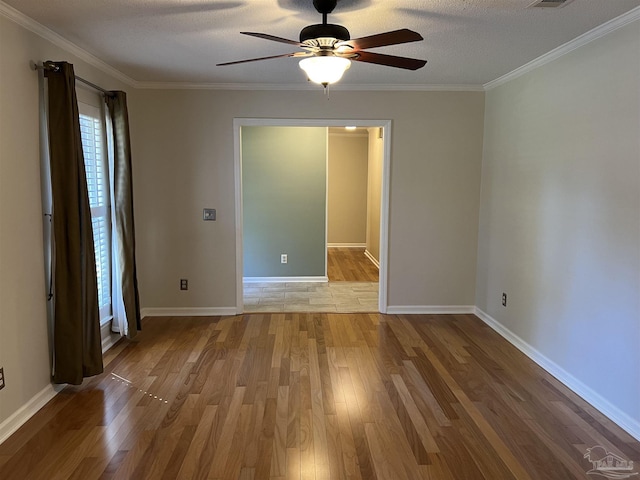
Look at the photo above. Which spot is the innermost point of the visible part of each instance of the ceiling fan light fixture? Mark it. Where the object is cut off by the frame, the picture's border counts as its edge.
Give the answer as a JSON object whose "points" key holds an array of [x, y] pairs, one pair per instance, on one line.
{"points": [[325, 69]]}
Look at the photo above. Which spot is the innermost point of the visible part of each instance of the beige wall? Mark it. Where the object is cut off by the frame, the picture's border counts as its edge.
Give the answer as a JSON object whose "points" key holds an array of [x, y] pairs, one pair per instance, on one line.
{"points": [[560, 216], [347, 189], [375, 157], [24, 351], [184, 161]]}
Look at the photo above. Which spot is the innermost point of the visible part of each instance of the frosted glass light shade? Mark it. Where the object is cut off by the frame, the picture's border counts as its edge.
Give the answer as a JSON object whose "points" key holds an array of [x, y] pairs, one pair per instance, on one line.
{"points": [[325, 70]]}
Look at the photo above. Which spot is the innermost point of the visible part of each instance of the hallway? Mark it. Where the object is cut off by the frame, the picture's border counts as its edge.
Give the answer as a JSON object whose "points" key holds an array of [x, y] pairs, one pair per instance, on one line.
{"points": [[352, 288]]}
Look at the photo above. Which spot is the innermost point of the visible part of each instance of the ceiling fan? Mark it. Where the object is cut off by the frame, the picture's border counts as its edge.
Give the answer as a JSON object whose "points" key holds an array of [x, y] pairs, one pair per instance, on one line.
{"points": [[329, 48]]}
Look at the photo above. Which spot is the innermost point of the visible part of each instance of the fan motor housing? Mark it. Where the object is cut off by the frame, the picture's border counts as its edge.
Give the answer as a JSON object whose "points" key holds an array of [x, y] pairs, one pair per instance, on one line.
{"points": [[324, 30], [325, 6]]}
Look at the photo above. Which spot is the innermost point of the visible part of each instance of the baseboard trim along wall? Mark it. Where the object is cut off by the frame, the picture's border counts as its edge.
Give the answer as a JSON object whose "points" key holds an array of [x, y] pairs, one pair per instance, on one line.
{"points": [[346, 245], [109, 339], [188, 312], [430, 309], [324, 279], [28, 410], [367, 254], [624, 421]]}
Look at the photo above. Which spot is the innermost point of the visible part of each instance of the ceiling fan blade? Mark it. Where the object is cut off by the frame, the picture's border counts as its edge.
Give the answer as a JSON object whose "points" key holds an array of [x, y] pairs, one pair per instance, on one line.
{"points": [[383, 39], [266, 36], [295, 54], [390, 60]]}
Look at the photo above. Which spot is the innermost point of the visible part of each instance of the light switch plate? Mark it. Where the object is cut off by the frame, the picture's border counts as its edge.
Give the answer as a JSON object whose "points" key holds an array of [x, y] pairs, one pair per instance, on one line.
{"points": [[209, 214]]}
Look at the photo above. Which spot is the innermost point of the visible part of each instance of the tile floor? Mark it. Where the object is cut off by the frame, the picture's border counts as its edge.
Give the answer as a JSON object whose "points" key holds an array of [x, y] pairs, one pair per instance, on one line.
{"points": [[340, 297]]}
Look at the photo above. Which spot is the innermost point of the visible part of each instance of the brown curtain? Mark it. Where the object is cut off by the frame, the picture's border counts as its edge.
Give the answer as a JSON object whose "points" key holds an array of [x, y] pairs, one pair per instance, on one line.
{"points": [[122, 203], [76, 337]]}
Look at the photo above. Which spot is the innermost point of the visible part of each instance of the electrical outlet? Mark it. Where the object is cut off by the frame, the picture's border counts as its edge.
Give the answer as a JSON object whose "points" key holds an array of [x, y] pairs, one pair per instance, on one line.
{"points": [[504, 299], [283, 258], [1, 378], [184, 284]]}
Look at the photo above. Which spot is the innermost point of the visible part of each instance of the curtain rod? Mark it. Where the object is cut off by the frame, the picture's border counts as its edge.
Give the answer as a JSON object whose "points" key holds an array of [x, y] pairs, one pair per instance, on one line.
{"points": [[35, 66]]}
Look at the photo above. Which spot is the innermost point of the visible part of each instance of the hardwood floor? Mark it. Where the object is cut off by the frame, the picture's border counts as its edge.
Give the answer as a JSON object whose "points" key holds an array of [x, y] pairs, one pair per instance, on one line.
{"points": [[350, 265], [314, 396]]}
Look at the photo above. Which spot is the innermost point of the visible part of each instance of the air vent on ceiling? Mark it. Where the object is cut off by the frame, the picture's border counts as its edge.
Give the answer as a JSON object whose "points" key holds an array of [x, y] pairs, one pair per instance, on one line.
{"points": [[550, 3]]}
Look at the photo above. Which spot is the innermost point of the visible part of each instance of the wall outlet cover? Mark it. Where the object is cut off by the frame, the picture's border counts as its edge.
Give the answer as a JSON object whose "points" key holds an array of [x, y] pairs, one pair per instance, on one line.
{"points": [[209, 214]]}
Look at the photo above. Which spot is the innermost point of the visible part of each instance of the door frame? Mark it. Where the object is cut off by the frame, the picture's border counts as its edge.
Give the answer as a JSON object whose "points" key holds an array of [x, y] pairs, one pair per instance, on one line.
{"points": [[238, 123]]}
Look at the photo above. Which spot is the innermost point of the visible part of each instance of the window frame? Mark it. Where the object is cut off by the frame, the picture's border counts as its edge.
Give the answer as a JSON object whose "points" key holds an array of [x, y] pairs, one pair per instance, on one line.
{"points": [[91, 105]]}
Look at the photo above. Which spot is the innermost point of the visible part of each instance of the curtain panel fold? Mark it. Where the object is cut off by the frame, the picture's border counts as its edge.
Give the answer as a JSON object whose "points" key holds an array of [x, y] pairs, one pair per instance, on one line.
{"points": [[76, 336], [124, 270]]}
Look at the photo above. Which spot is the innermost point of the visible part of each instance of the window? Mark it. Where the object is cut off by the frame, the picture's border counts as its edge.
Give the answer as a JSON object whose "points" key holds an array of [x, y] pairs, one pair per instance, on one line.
{"points": [[97, 171]]}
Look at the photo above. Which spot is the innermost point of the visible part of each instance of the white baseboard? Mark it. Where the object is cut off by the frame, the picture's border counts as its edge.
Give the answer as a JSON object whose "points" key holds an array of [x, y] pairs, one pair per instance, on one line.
{"points": [[109, 339], [346, 245], [373, 259], [430, 309], [624, 421], [324, 279], [188, 312], [28, 410]]}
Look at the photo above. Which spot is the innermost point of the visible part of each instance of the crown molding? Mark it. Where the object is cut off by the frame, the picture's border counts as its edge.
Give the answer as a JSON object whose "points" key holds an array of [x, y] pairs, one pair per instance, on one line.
{"points": [[600, 31], [222, 86], [412, 88], [347, 135], [44, 32], [305, 87]]}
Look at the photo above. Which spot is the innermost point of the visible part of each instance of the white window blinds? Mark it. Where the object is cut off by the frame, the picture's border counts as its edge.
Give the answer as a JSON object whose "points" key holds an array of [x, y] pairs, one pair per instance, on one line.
{"points": [[96, 168]]}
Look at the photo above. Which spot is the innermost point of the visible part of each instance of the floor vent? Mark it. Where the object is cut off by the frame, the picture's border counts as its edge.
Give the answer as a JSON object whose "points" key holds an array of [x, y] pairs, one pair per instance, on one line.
{"points": [[549, 3]]}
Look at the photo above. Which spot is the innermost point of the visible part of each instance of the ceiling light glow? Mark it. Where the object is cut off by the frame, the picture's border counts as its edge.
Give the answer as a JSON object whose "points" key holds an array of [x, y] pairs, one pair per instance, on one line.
{"points": [[326, 69]]}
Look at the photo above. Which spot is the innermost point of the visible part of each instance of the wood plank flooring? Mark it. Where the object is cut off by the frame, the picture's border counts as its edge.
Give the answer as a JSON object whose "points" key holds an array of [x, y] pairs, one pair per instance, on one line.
{"points": [[314, 396], [350, 265]]}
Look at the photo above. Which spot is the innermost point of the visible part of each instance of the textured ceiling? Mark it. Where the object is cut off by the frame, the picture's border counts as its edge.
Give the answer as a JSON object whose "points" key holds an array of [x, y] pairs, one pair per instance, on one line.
{"points": [[467, 42]]}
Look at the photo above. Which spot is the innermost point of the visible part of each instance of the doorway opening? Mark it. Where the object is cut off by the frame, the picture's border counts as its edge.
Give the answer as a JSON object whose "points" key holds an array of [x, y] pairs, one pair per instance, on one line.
{"points": [[250, 240]]}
